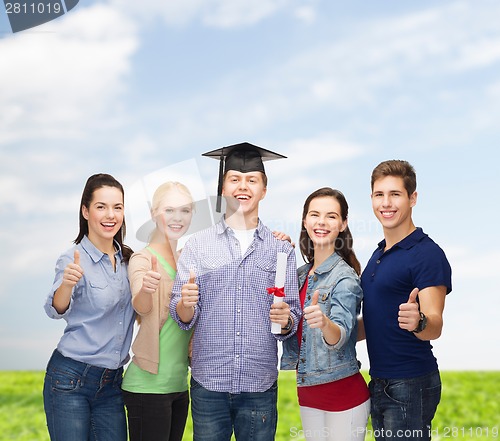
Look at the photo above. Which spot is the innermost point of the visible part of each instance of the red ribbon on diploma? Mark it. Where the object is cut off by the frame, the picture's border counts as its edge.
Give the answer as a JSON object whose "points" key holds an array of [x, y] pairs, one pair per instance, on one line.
{"points": [[278, 292]]}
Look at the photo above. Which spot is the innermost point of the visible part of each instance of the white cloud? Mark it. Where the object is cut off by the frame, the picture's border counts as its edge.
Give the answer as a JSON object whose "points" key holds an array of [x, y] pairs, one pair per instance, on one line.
{"points": [[39, 182], [398, 54], [58, 83], [308, 166], [470, 265], [140, 145], [341, 75], [306, 14], [477, 54], [212, 13], [376, 55], [317, 153], [172, 12], [236, 13]]}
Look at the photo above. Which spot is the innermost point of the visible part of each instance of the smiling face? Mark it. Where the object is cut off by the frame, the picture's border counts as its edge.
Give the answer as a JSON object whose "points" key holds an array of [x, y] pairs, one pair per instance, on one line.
{"points": [[243, 192], [104, 215], [392, 205], [323, 222], [174, 213]]}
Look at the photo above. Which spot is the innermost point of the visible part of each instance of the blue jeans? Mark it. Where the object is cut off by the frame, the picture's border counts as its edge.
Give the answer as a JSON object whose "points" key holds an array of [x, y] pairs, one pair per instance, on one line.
{"points": [[402, 409], [83, 402], [252, 415]]}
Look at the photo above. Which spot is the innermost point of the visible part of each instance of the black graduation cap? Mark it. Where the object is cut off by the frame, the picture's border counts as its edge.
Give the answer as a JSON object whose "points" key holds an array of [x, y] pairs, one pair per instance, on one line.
{"points": [[243, 157]]}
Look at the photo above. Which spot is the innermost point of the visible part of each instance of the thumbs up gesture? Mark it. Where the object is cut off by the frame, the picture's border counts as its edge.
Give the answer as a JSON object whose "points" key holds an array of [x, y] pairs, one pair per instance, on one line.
{"points": [[189, 291], [313, 314], [151, 279], [409, 312], [73, 271]]}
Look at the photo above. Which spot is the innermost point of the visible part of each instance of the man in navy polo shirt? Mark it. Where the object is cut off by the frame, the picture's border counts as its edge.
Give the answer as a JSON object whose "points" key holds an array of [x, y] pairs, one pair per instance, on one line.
{"points": [[405, 284]]}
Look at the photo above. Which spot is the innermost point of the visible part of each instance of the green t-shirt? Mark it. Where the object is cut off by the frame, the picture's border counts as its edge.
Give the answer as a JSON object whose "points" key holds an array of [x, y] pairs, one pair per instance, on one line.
{"points": [[173, 365]]}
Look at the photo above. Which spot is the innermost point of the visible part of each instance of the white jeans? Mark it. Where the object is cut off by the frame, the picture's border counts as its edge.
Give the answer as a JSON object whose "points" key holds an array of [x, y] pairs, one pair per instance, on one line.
{"points": [[347, 425]]}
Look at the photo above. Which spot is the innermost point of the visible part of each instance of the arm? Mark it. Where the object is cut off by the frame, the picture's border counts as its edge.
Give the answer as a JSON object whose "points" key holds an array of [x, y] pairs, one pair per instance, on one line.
{"points": [[345, 300], [283, 236], [144, 281], [361, 329], [280, 313], [189, 299], [290, 307], [62, 298], [73, 272], [431, 302], [185, 300], [316, 318]]}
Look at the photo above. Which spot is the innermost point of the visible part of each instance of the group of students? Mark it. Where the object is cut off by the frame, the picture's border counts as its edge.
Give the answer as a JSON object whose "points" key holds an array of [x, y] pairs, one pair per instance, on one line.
{"points": [[208, 310]]}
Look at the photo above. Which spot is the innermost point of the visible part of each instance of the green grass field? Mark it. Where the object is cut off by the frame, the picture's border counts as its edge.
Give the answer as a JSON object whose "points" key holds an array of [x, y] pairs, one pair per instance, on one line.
{"points": [[469, 409]]}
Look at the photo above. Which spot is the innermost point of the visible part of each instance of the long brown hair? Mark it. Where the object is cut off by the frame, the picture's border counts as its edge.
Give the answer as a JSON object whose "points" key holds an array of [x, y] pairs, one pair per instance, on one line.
{"points": [[95, 182], [344, 241]]}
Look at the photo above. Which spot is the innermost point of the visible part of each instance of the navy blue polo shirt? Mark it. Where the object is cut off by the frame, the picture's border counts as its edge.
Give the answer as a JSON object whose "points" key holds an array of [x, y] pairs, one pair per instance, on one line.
{"points": [[389, 277]]}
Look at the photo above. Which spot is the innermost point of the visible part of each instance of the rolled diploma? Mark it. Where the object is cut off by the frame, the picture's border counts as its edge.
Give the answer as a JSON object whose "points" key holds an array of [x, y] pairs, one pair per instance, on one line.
{"points": [[279, 282]]}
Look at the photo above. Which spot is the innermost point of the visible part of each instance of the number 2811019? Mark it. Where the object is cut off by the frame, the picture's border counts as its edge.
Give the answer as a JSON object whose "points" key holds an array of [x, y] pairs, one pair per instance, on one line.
{"points": [[33, 8]]}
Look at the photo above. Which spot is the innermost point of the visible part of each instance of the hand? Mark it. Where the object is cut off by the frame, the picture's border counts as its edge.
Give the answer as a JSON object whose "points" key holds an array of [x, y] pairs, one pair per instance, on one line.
{"points": [[409, 312], [280, 313], [73, 271], [189, 291], [313, 314], [283, 236], [151, 279]]}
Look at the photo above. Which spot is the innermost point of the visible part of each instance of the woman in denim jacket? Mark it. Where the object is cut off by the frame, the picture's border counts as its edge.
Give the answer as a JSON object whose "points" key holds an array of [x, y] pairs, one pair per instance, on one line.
{"points": [[333, 396]]}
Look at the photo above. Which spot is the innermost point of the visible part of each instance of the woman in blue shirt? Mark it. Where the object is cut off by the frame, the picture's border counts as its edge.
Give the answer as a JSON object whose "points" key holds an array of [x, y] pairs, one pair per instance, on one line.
{"points": [[82, 395]]}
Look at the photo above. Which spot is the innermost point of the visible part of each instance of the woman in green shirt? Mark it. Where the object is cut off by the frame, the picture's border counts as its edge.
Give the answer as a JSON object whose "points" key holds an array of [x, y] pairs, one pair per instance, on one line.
{"points": [[155, 388]]}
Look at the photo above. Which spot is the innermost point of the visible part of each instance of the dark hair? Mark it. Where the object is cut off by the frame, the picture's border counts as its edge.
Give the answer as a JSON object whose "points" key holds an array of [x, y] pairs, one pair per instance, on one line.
{"points": [[344, 241], [398, 168], [95, 182]]}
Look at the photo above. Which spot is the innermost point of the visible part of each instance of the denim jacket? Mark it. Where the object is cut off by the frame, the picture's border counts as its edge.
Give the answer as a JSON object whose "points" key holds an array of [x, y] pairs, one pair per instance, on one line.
{"points": [[340, 299]]}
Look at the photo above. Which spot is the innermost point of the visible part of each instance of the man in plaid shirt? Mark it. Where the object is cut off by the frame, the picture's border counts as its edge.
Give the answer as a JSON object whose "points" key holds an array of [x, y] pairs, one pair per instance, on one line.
{"points": [[221, 291]]}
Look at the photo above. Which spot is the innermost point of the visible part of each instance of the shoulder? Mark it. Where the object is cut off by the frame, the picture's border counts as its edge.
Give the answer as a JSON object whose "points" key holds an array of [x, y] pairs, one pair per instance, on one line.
{"points": [[429, 264], [342, 273], [208, 232], [201, 243], [139, 258], [201, 238], [429, 248], [346, 271], [141, 254], [303, 268], [268, 237]]}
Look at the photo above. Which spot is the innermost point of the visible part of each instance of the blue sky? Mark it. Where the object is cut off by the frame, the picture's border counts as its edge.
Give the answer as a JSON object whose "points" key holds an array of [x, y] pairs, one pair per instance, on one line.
{"points": [[129, 87]]}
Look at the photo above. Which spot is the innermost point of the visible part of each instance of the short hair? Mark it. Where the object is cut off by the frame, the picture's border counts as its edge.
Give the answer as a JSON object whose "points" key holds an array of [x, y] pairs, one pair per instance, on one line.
{"points": [[264, 177], [398, 168]]}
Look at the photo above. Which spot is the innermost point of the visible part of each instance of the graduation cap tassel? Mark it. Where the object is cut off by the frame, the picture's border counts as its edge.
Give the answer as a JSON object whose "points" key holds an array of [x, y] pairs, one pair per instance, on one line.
{"points": [[218, 205]]}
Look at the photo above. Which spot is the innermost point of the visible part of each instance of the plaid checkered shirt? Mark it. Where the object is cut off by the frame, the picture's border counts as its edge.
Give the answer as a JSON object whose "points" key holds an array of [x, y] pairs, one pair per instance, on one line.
{"points": [[233, 348]]}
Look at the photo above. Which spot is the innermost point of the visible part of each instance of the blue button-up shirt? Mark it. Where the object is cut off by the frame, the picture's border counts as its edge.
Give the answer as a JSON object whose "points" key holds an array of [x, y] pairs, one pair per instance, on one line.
{"points": [[100, 316], [233, 348]]}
